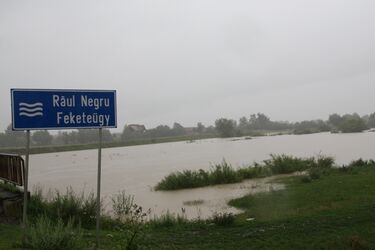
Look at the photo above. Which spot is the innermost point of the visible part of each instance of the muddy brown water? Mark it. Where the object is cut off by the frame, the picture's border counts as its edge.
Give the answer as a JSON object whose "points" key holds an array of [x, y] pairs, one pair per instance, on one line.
{"points": [[137, 169]]}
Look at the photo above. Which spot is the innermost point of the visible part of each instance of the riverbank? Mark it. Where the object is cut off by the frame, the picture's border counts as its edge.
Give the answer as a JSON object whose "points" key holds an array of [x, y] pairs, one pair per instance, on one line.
{"points": [[78, 147], [334, 211]]}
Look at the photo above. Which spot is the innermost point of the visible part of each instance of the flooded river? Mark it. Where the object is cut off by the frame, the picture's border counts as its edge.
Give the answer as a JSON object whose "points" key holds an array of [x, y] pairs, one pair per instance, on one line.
{"points": [[137, 169]]}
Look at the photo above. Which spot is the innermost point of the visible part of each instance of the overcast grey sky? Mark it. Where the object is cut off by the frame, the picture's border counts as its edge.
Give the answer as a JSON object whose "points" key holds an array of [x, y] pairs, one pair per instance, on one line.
{"points": [[195, 60]]}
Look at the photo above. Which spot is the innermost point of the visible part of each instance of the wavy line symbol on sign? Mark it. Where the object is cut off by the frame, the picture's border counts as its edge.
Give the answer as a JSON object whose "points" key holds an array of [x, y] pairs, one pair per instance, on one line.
{"points": [[30, 109]]}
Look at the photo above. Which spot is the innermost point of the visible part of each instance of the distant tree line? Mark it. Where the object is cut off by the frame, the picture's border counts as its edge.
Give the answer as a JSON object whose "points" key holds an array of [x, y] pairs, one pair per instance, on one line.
{"points": [[255, 124], [12, 138], [260, 123]]}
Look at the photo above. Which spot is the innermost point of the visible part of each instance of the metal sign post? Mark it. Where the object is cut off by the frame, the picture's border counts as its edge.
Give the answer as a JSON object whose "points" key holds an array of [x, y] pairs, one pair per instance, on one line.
{"points": [[26, 181], [98, 189]]}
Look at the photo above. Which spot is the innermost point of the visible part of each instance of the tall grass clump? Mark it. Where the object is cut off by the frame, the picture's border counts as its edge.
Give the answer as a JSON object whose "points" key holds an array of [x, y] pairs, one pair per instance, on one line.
{"points": [[324, 162], [361, 163], [218, 174], [46, 234], [284, 164], [69, 206], [256, 171], [168, 219], [122, 204], [223, 219], [184, 179], [131, 219], [224, 173]]}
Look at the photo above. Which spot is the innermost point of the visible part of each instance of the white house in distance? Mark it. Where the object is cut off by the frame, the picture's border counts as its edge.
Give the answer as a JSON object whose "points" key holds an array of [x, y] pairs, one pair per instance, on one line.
{"points": [[137, 128]]}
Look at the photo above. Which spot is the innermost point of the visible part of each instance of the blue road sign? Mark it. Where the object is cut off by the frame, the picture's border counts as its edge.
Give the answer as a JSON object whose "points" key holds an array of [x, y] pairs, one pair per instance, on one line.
{"points": [[63, 109]]}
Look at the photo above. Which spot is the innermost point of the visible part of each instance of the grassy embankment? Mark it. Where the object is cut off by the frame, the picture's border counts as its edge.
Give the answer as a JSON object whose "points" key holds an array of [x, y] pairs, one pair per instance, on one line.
{"points": [[334, 209]]}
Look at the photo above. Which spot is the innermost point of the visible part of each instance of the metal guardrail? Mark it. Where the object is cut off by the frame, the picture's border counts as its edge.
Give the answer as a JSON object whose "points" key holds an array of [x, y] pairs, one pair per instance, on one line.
{"points": [[12, 168]]}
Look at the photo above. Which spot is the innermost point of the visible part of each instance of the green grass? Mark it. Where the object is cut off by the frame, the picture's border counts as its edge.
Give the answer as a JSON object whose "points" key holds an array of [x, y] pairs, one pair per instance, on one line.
{"points": [[224, 173], [8, 235]]}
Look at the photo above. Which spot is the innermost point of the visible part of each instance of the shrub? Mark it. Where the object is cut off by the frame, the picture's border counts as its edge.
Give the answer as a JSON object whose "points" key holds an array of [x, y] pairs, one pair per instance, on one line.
{"points": [[257, 171], [87, 216], [168, 220], [122, 205], [314, 173], [37, 205], [218, 174], [325, 161], [132, 229], [184, 179], [284, 164], [77, 208], [71, 206], [361, 163], [223, 219], [46, 234], [306, 179], [223, 173]]}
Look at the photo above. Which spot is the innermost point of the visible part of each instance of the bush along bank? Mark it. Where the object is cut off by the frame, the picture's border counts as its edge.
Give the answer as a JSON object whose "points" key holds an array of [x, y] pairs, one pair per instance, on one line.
{"points": [[224, 173]]}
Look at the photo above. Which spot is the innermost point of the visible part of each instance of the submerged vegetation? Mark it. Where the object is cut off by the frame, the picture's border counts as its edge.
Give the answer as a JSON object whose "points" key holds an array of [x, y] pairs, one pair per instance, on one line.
{"points": [[224, 173]]}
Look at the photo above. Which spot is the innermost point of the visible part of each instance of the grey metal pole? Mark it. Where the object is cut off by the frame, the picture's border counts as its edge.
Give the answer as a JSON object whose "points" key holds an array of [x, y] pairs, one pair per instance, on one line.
{"points": [[26, 180], [98, 190]]}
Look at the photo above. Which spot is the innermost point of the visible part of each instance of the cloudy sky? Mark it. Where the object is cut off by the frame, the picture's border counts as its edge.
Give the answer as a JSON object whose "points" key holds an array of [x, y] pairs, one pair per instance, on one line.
{"points": [[196, 60]]}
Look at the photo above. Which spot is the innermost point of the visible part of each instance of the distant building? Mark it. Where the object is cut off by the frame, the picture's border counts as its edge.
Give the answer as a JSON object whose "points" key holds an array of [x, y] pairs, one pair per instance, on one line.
{"points": [[189, 130], [137, 128]]}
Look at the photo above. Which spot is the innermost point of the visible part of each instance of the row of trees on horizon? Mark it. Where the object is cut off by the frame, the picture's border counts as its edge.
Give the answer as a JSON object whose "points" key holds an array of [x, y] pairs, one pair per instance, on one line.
{"points": [[255, 124]]}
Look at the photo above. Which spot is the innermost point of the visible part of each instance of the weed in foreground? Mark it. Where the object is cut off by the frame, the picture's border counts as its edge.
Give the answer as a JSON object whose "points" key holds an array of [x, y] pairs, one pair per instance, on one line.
{"points": [[47, 234], [223, 219], [168, 220], [68, 206], [131, 218]]}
